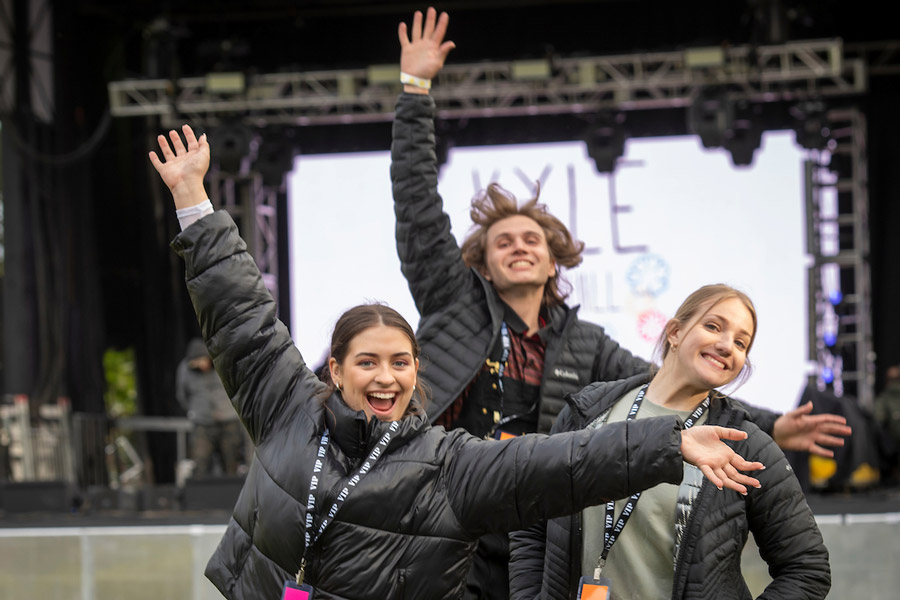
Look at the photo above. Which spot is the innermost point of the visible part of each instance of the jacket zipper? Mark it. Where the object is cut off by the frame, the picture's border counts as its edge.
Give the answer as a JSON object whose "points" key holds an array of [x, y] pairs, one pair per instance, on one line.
{"points": [[689, 526]]}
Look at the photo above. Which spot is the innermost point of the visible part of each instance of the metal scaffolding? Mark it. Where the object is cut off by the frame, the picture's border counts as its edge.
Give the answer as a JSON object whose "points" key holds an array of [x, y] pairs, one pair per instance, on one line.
{"points": [[792, 71], [840, 337], [253, 206]]}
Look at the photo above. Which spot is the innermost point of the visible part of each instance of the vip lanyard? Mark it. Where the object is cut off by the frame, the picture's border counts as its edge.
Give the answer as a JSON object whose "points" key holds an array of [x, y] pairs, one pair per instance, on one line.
{"points": [[503, 420], [311, 538], [610, 531], [504, 336]]}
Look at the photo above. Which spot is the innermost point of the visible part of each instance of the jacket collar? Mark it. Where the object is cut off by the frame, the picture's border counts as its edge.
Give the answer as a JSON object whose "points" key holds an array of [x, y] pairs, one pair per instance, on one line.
{"points": [[356, 436], [598, 397], [557, 316]]}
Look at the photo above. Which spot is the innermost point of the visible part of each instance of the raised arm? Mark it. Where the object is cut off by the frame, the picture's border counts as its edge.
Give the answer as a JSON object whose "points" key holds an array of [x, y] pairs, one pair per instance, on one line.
{"points": [[252, 351], [429, 254]]}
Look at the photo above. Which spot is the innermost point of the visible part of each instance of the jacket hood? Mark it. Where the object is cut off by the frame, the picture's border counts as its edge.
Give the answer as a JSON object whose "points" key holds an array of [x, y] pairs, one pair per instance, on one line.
{"points": [[196, 349]]}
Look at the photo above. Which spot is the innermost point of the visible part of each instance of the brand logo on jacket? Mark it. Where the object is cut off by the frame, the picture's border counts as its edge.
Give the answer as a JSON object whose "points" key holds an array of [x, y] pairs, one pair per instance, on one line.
{"points": [[566, 374]]}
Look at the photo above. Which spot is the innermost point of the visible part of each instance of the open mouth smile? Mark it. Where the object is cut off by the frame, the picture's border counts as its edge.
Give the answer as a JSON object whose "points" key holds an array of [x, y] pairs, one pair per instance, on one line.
{"points": [[381, 402], [518, 264]]}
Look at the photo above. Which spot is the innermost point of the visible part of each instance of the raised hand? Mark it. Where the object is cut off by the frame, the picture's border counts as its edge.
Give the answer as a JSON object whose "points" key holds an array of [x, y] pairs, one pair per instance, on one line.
{"points": [[800, 430], [702, 447], [424, 51], [184, 167]]}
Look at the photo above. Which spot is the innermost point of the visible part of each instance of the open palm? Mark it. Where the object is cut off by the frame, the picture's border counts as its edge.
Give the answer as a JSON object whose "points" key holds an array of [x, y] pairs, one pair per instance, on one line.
{"points": [[184, 167]]}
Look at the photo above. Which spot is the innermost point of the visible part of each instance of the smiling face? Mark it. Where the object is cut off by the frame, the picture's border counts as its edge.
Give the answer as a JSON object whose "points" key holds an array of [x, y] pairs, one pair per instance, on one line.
{"points": [[378, 373], [517, 254], [711, 350]]}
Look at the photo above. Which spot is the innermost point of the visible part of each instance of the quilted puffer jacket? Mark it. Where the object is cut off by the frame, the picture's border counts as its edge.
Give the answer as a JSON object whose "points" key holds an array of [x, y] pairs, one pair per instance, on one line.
{"points": [[409, 528], [546, 559]]}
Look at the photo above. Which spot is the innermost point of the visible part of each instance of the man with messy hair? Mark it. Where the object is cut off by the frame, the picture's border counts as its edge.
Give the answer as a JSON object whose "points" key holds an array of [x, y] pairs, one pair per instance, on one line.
{"points": [[501, 347]]}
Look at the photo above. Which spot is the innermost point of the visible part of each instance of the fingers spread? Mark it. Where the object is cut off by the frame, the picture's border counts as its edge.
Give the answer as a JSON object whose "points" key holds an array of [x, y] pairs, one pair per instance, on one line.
{"points": [[710, 474], [747, 480], [177, 143], [734, 485], [803, 409], [164, 147], [441, 29], [726, 433], [739, 463], [417, 26], [189, 136], [430, 17], [820, 451], [829, 440]]}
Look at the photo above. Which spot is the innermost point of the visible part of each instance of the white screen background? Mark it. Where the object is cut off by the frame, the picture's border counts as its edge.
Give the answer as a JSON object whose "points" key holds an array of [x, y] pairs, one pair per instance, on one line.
{"points": [[673, 217]]}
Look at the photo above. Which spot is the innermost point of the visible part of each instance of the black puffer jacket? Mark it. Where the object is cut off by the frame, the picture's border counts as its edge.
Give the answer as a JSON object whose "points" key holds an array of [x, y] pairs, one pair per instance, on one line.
{"points": [[460, 310], [546, 559], [409, 528]]}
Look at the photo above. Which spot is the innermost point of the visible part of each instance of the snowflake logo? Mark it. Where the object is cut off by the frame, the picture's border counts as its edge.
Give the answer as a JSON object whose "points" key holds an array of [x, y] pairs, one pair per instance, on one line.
{"points": [[648, 275]]}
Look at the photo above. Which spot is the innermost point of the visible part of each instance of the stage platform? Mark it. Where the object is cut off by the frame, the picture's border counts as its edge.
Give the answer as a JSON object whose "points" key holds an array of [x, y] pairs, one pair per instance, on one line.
{"points": [[93, 553]]}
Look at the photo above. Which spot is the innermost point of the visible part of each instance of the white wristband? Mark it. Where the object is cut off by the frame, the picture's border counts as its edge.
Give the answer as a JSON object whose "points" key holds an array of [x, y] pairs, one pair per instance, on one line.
{"points": [[187, 216], [418, 82]]}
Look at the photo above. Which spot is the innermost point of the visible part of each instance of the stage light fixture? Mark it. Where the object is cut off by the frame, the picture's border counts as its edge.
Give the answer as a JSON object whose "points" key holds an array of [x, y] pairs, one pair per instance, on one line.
{"points": [[225, 83], [274, 158], [711, 116], [811, 125], [743, 141], [229, 145], [606, 142]]}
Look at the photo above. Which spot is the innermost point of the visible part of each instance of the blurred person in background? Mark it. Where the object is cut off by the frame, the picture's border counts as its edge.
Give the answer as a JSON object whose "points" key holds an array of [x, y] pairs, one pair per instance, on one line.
{"points": [[217, 431]]}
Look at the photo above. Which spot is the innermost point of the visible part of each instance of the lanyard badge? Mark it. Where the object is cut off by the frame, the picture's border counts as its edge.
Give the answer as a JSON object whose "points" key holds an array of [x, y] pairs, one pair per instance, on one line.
{"points": [[590, 588], [292, 591]]}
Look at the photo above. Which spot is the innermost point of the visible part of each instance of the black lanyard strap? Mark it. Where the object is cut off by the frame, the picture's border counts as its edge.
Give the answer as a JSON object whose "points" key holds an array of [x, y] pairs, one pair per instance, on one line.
{"points": [[501, 420], [309, 538], [612, 528]]}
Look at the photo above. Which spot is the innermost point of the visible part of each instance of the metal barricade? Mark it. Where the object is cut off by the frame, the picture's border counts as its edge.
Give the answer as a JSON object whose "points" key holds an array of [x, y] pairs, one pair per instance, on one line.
{"points": [[38, 449]]}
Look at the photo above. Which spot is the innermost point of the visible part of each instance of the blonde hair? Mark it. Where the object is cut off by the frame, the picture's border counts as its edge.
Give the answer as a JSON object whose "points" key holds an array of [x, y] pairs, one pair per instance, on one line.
{"points": [[495, 204]]}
